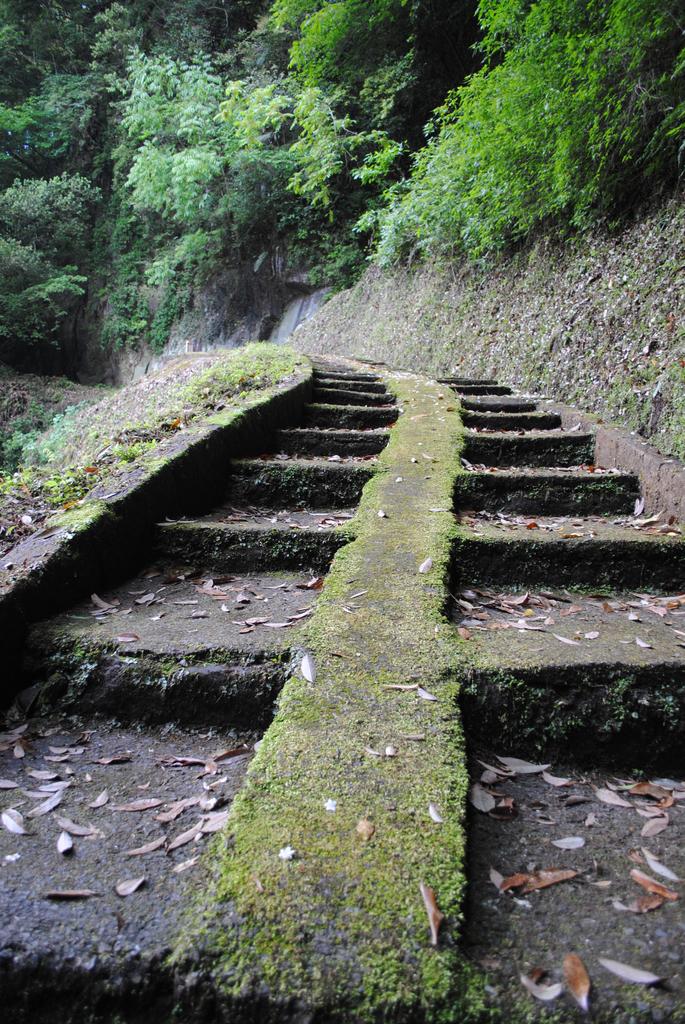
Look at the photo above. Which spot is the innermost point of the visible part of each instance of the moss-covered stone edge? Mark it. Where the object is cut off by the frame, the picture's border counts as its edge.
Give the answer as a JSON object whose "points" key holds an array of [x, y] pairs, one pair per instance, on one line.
{"points": [[340, 932]]}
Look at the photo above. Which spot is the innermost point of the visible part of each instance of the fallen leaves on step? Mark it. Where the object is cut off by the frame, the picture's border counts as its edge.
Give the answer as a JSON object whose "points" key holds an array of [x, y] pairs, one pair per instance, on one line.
{"points": [[65, 844], [70, 894], [611, 798], [481, 799], [659, 868], [308, 668], [515, 764], [13, 821], [140, 851], [426, 566], [435, 915], [139, 805]]}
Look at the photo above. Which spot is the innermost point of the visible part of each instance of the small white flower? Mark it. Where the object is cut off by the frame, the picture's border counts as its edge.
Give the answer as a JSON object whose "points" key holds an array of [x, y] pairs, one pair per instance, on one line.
{"points": [[287, 853], [331, 805]]}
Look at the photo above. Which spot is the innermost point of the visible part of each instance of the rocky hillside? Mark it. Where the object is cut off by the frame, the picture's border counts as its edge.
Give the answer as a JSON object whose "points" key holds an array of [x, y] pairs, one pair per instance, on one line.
{"points": [[598, 322]]}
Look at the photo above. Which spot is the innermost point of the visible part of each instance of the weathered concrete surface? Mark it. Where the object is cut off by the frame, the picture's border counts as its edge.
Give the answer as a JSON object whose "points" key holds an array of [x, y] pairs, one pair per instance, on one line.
{"points": [[662, 480]]}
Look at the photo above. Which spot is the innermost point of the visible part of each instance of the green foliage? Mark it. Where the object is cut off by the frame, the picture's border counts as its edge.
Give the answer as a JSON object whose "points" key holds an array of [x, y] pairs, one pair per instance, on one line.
{"points": [[578, 108]]}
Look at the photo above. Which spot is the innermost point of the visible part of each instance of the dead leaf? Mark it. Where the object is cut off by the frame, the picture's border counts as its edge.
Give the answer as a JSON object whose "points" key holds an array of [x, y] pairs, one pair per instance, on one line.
{"points": [[538, 879], [426, 566], [424, 694], [649, 789], [643, 643], [481, 799], [47, 805], [658, 867], [607, 796], [464, 633], [114, 759], [186, 837], [569, 843], [76, 830], [435, 916], [308, 669], [566, 640], [70, 894], [651, 885], [65, 844], [13, 821], [150, 847], [129, 886], [654, 826], [100, 800], [496, 879], [642, 905], [127, 638], [139, 805], [365, 829], [635, 975], [555, 780], [435, 814], [515, 764], [543, 992], [577, 979]]}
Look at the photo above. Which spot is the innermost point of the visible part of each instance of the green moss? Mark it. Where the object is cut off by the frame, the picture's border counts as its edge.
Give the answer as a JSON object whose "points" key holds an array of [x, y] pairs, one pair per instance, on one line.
{"points": [[342, 927]]}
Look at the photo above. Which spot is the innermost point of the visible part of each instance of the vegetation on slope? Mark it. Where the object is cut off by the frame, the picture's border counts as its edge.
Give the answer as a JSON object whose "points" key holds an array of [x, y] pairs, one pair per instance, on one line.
{"points": [[88, 443]]}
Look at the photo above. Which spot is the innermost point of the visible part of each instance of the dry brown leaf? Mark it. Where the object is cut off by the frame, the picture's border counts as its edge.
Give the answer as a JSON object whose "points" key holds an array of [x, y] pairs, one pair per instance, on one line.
{"points": [[365, 829], [114, 759], [649, 789], [566, 640], [641, 905], [464, 633], [129, 886], [424, 694], [531, 881], [577, 979], [47, 805], [435, 915], [426, 566], [651, 885]]}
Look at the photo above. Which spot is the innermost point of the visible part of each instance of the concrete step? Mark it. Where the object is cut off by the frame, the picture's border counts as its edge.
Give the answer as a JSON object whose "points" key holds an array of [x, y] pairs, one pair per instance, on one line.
{"points": [[602, 676], [459, 381], [298, 483], [593, 553], [259, 542], [548, 491], [515, 421], [303, 441], [547, 448], [481, 389], [504, 404], [178, 655], [367, 386], [343, 375], [329, 396], [349, 416]]}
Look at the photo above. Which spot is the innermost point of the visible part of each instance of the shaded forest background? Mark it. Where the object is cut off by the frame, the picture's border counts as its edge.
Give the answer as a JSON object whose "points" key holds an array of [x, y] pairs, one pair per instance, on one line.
{"points": [[146, 146]]}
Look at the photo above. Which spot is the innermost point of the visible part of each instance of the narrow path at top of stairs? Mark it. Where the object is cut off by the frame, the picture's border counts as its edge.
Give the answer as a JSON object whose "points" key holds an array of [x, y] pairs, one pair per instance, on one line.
{"points": [[572, 606]]}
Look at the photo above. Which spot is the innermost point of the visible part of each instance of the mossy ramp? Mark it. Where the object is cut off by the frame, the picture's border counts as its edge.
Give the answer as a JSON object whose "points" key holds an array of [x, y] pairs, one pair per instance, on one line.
{"points": [[340, 931]]}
